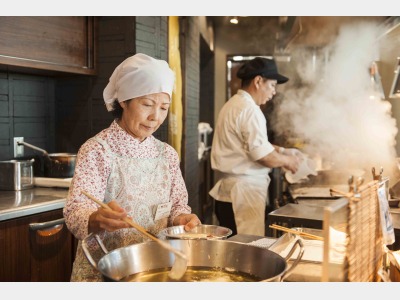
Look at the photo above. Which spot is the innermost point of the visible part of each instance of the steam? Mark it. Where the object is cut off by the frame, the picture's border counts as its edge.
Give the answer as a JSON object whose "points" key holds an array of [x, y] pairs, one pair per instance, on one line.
{"points": [[335, 108]]}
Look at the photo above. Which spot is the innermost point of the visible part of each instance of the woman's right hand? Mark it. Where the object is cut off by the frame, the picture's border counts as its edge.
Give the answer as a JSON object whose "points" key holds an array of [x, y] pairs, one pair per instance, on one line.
{"points": [[108, 220]]}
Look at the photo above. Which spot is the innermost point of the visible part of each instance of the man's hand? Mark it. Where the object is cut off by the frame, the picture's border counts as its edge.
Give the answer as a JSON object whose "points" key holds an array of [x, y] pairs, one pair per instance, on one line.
{"points": [[294, 152]]}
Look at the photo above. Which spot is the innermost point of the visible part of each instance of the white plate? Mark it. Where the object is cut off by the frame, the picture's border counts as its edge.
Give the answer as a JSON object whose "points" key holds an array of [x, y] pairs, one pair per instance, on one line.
{"points": [[52, 182]]}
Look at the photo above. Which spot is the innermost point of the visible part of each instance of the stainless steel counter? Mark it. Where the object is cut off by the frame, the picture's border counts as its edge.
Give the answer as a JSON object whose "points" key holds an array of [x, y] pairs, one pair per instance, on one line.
{"points": [[14, 204], [244, 238], [309, 213], [298, 215]]}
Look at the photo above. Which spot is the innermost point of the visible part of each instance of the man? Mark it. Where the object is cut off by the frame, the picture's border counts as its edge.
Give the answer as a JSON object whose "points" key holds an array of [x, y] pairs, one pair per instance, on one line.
{"points": [[241, 154]]}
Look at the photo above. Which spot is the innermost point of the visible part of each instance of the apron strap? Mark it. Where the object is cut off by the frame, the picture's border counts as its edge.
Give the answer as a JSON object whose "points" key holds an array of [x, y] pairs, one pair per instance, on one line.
{"points": [[103, 143]]}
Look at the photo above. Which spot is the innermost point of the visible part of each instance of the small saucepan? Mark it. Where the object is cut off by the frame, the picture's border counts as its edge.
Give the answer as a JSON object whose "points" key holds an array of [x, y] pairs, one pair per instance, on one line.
{"points": [[56, 165]]}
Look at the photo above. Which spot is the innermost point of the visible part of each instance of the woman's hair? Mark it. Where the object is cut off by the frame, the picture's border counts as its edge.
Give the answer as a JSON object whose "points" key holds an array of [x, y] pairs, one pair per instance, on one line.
{"points": [[117, 109]]}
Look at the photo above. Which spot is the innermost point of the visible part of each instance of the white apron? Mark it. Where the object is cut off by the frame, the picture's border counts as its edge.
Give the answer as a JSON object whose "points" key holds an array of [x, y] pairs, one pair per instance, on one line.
{"points": [[249, 197], [139, 185]]}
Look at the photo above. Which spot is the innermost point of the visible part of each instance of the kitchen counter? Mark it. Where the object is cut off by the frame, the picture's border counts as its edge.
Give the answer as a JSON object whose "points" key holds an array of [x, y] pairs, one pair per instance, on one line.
{"points": [[14, 204], [309, 213]]}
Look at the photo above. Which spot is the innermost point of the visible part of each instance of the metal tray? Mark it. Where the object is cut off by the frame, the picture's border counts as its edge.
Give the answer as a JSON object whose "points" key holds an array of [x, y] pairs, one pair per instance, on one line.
{"points": [[309, 269], [313, 249], [317, 192], [200, 232]]}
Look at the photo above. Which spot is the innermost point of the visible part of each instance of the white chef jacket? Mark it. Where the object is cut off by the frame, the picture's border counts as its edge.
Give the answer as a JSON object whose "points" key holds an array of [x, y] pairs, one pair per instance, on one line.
{"points": [[240, 139]]}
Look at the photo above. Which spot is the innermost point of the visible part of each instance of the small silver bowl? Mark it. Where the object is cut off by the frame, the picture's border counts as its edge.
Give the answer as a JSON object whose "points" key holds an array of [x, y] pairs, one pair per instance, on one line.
{"points": [[200, 232]]}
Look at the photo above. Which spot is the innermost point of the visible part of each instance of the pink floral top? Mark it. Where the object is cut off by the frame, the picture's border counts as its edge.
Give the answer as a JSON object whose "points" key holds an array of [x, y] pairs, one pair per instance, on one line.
{"points": [[93, 168]]}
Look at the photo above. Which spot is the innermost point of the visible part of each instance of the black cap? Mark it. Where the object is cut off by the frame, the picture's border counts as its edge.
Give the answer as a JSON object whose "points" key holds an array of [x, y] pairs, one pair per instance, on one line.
{"points": [[261, 66]]}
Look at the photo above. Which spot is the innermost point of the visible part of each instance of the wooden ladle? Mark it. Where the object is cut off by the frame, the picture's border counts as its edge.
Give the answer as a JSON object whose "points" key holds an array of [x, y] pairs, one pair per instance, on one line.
{"points": [[180, 264]]}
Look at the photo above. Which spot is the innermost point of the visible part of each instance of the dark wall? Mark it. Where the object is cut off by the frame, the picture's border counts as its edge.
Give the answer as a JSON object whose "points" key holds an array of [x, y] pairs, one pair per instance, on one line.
{"points": [[27, 109], [191, 79], [206, 84]]}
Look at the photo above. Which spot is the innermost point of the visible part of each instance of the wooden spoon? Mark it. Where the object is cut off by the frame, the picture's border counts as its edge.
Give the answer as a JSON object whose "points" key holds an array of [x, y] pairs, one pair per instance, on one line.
{"points": [[180, 264]]}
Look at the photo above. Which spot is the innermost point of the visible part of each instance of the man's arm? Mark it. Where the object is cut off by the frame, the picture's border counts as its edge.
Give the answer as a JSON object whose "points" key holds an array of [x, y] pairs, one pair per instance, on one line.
{"points": [[278, 158]]}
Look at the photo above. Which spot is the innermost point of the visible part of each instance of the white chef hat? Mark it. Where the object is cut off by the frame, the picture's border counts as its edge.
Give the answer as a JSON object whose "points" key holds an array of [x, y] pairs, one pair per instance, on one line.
{"points": [[137, 76]]}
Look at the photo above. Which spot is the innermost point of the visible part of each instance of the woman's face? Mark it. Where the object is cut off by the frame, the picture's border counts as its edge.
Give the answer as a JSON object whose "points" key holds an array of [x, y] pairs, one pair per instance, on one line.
{"points": [[142, 116]]}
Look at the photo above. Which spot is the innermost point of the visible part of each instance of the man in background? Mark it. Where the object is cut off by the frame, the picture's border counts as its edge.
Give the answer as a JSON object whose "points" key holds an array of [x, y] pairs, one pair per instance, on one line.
{"points": [[241, 154]]}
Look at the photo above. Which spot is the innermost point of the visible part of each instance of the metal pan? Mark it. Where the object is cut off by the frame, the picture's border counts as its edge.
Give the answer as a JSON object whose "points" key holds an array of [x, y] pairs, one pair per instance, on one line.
{"points": [[150, 262], [55, 165]]}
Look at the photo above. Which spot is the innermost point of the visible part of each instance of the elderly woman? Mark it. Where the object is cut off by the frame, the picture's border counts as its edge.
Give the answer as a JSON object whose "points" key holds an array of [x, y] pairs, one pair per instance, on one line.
{"points": [[127, 167]]}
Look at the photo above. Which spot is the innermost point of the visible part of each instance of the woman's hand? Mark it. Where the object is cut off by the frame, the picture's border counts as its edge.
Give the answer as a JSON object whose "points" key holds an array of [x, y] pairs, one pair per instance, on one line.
{"points": [[189, 220], [108, 220]]}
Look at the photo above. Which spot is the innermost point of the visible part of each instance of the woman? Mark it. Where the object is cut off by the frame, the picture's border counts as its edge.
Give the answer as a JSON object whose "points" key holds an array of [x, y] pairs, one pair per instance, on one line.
{"points": [[127, 167]]}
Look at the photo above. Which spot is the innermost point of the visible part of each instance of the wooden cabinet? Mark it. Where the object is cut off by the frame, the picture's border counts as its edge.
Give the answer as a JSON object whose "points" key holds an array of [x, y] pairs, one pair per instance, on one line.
{"points": [[36, 248], [65, 44]]}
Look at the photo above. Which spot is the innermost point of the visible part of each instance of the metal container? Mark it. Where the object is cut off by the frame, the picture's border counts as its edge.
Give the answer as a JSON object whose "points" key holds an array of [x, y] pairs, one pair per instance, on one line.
{"points": [[16, 175], [128, 263], [202, 232], [57, 165], [60, 165]]}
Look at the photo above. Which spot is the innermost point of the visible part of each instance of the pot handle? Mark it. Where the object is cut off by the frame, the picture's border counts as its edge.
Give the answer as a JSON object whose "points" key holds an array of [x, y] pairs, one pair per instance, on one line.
{"points": [[86, 251], [289, 271], [33, 147]]}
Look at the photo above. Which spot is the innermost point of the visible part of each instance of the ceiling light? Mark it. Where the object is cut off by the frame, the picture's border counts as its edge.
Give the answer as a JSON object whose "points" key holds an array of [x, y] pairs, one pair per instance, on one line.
{"points": [[238, 58], [234, 20]]}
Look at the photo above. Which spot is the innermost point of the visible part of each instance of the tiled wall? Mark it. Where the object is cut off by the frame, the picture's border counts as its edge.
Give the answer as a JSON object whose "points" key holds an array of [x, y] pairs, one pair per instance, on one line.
{"points": [[191, 110], [27, 109]]}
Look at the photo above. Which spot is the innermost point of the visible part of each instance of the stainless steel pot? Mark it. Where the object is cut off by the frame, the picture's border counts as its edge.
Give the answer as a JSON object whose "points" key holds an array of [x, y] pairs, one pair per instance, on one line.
{"points": [[55, 165], [60, 165], [128, 263]]}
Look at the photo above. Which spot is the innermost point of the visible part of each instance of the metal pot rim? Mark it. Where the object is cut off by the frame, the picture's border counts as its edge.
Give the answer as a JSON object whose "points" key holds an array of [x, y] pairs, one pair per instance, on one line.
{"points": [[204, 253], [62, 154]]}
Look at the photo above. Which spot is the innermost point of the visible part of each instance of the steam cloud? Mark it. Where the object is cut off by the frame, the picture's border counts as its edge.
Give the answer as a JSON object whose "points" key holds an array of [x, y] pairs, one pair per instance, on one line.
{"points": [[336, 108]]}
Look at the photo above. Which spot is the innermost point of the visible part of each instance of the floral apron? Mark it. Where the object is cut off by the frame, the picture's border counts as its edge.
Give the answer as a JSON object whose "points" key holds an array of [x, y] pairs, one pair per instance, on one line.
{"points": [[139, 185]]}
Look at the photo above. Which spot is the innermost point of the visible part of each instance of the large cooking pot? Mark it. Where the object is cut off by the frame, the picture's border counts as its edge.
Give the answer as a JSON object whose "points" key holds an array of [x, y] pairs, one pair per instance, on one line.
{"points": [[53, 165], [208, 260]]}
